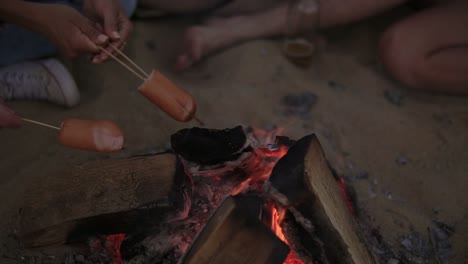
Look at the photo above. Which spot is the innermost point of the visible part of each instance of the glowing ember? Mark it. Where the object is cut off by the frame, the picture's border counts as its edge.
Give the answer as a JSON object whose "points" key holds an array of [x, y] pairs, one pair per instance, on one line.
{"points": [[292, 259], [345, 195], [112, 244], [267, 160], [106, 249], [266, 154]]}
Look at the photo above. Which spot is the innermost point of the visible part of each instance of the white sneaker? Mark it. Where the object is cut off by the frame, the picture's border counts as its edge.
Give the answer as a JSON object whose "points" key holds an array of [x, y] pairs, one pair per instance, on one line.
{"points": [[39, 80]]}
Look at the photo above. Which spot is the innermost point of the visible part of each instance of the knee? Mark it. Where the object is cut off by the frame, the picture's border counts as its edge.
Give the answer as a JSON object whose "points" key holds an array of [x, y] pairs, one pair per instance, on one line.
{"points": [[179, 6], [129, 6], [400, 56]]}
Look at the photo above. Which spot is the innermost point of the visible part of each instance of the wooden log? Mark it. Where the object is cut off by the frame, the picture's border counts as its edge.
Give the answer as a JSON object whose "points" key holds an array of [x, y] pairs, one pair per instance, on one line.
{"points": [[235, 235], [104, 197], [303, 182]]}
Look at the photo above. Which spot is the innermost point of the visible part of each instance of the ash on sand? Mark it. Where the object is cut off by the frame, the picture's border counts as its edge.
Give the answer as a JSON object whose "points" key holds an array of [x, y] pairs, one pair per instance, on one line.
{"points": [[433, 246], [395, 96], [410, 247], [299, 104]]}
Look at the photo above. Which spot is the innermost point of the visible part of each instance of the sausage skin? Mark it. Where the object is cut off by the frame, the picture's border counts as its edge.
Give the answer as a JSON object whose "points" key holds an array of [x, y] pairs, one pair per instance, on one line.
{"points": [[99, 136], [169, 97]]}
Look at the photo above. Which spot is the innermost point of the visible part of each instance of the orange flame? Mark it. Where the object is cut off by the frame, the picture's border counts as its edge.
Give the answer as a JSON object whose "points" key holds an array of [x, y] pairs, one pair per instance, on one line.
{"points": [[277, 218], [259, 170]]}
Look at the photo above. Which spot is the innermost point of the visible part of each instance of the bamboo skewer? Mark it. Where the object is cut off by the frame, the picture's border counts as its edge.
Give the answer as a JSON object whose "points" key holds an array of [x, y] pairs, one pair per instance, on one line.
{"points": [[201, 123], [129, 60], [40, 123], [137, 74], [123, 64]]}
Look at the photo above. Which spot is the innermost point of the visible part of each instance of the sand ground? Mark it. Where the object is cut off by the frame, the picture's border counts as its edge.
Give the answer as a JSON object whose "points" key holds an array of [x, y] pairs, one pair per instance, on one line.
{"points": [[360, 129]]}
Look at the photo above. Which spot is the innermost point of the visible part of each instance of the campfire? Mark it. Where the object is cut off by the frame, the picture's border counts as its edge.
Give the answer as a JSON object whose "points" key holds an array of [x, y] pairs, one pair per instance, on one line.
{"points": [[220, 196]]}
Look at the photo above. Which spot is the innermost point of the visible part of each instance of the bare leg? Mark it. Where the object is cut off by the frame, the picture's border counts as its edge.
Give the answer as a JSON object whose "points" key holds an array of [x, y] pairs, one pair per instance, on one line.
{"points": [[220, 33], [245, 7], [429, 50], [223, 32], [179, 6]]}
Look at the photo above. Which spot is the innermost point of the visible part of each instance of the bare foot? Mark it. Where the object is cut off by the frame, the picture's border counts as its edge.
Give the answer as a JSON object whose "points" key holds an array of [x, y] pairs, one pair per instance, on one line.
{"points": [[219, 33], [192, 48], [202, 40]]}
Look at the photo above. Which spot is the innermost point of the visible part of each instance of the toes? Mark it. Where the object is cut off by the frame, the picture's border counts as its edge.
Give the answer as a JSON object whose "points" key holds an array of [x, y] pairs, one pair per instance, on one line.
{"points": [[192, 48], [194, 42], [183, 62]]}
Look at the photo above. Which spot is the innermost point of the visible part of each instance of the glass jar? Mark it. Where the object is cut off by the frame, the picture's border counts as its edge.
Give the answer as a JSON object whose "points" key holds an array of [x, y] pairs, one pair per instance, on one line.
{"points": [[302, 22]]}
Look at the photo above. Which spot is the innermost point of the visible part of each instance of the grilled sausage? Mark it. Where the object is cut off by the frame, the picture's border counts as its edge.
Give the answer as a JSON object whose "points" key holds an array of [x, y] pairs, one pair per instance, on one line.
{"points": [[100, 136], [169, 97]]}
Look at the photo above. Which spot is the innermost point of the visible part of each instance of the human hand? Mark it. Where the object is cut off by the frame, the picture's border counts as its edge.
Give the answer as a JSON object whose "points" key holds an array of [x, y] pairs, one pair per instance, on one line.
{"points": [[71, 32], [8, 118], [110, 19]]}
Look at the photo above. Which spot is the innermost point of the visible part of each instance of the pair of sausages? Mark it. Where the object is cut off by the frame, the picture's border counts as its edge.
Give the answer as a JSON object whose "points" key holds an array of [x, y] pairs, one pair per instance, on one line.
{"points": [[105, 136], [169, 97]]}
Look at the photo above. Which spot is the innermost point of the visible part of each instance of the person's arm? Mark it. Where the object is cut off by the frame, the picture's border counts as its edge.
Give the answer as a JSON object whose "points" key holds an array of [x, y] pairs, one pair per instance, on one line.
{"points": [[71, 32]]}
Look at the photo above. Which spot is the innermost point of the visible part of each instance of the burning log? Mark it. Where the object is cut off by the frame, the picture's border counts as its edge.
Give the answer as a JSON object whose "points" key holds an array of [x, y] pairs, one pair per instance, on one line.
{"points": [[105, 197], [235, 234], [209, 146], [303, 182]]}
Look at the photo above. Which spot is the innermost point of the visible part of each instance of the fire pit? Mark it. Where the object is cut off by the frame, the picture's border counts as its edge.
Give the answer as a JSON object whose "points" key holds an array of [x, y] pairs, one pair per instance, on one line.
{"points": [[220, 196]]}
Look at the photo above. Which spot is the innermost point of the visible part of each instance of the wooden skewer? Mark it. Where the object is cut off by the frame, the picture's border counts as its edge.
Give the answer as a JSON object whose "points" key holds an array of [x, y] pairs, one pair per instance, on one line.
{"points": [[123, 64], [201, 123], [129, 60], [40, 123]]}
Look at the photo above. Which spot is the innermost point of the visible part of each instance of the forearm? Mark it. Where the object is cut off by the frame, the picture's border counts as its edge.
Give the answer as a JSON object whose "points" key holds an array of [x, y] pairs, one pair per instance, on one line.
{"points": [[338, 12], [20, 12]]}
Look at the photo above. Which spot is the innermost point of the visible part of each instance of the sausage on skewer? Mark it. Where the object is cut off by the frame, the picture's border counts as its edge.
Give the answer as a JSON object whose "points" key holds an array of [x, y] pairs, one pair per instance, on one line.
{"points": [[169, 97], [100, 136]]}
